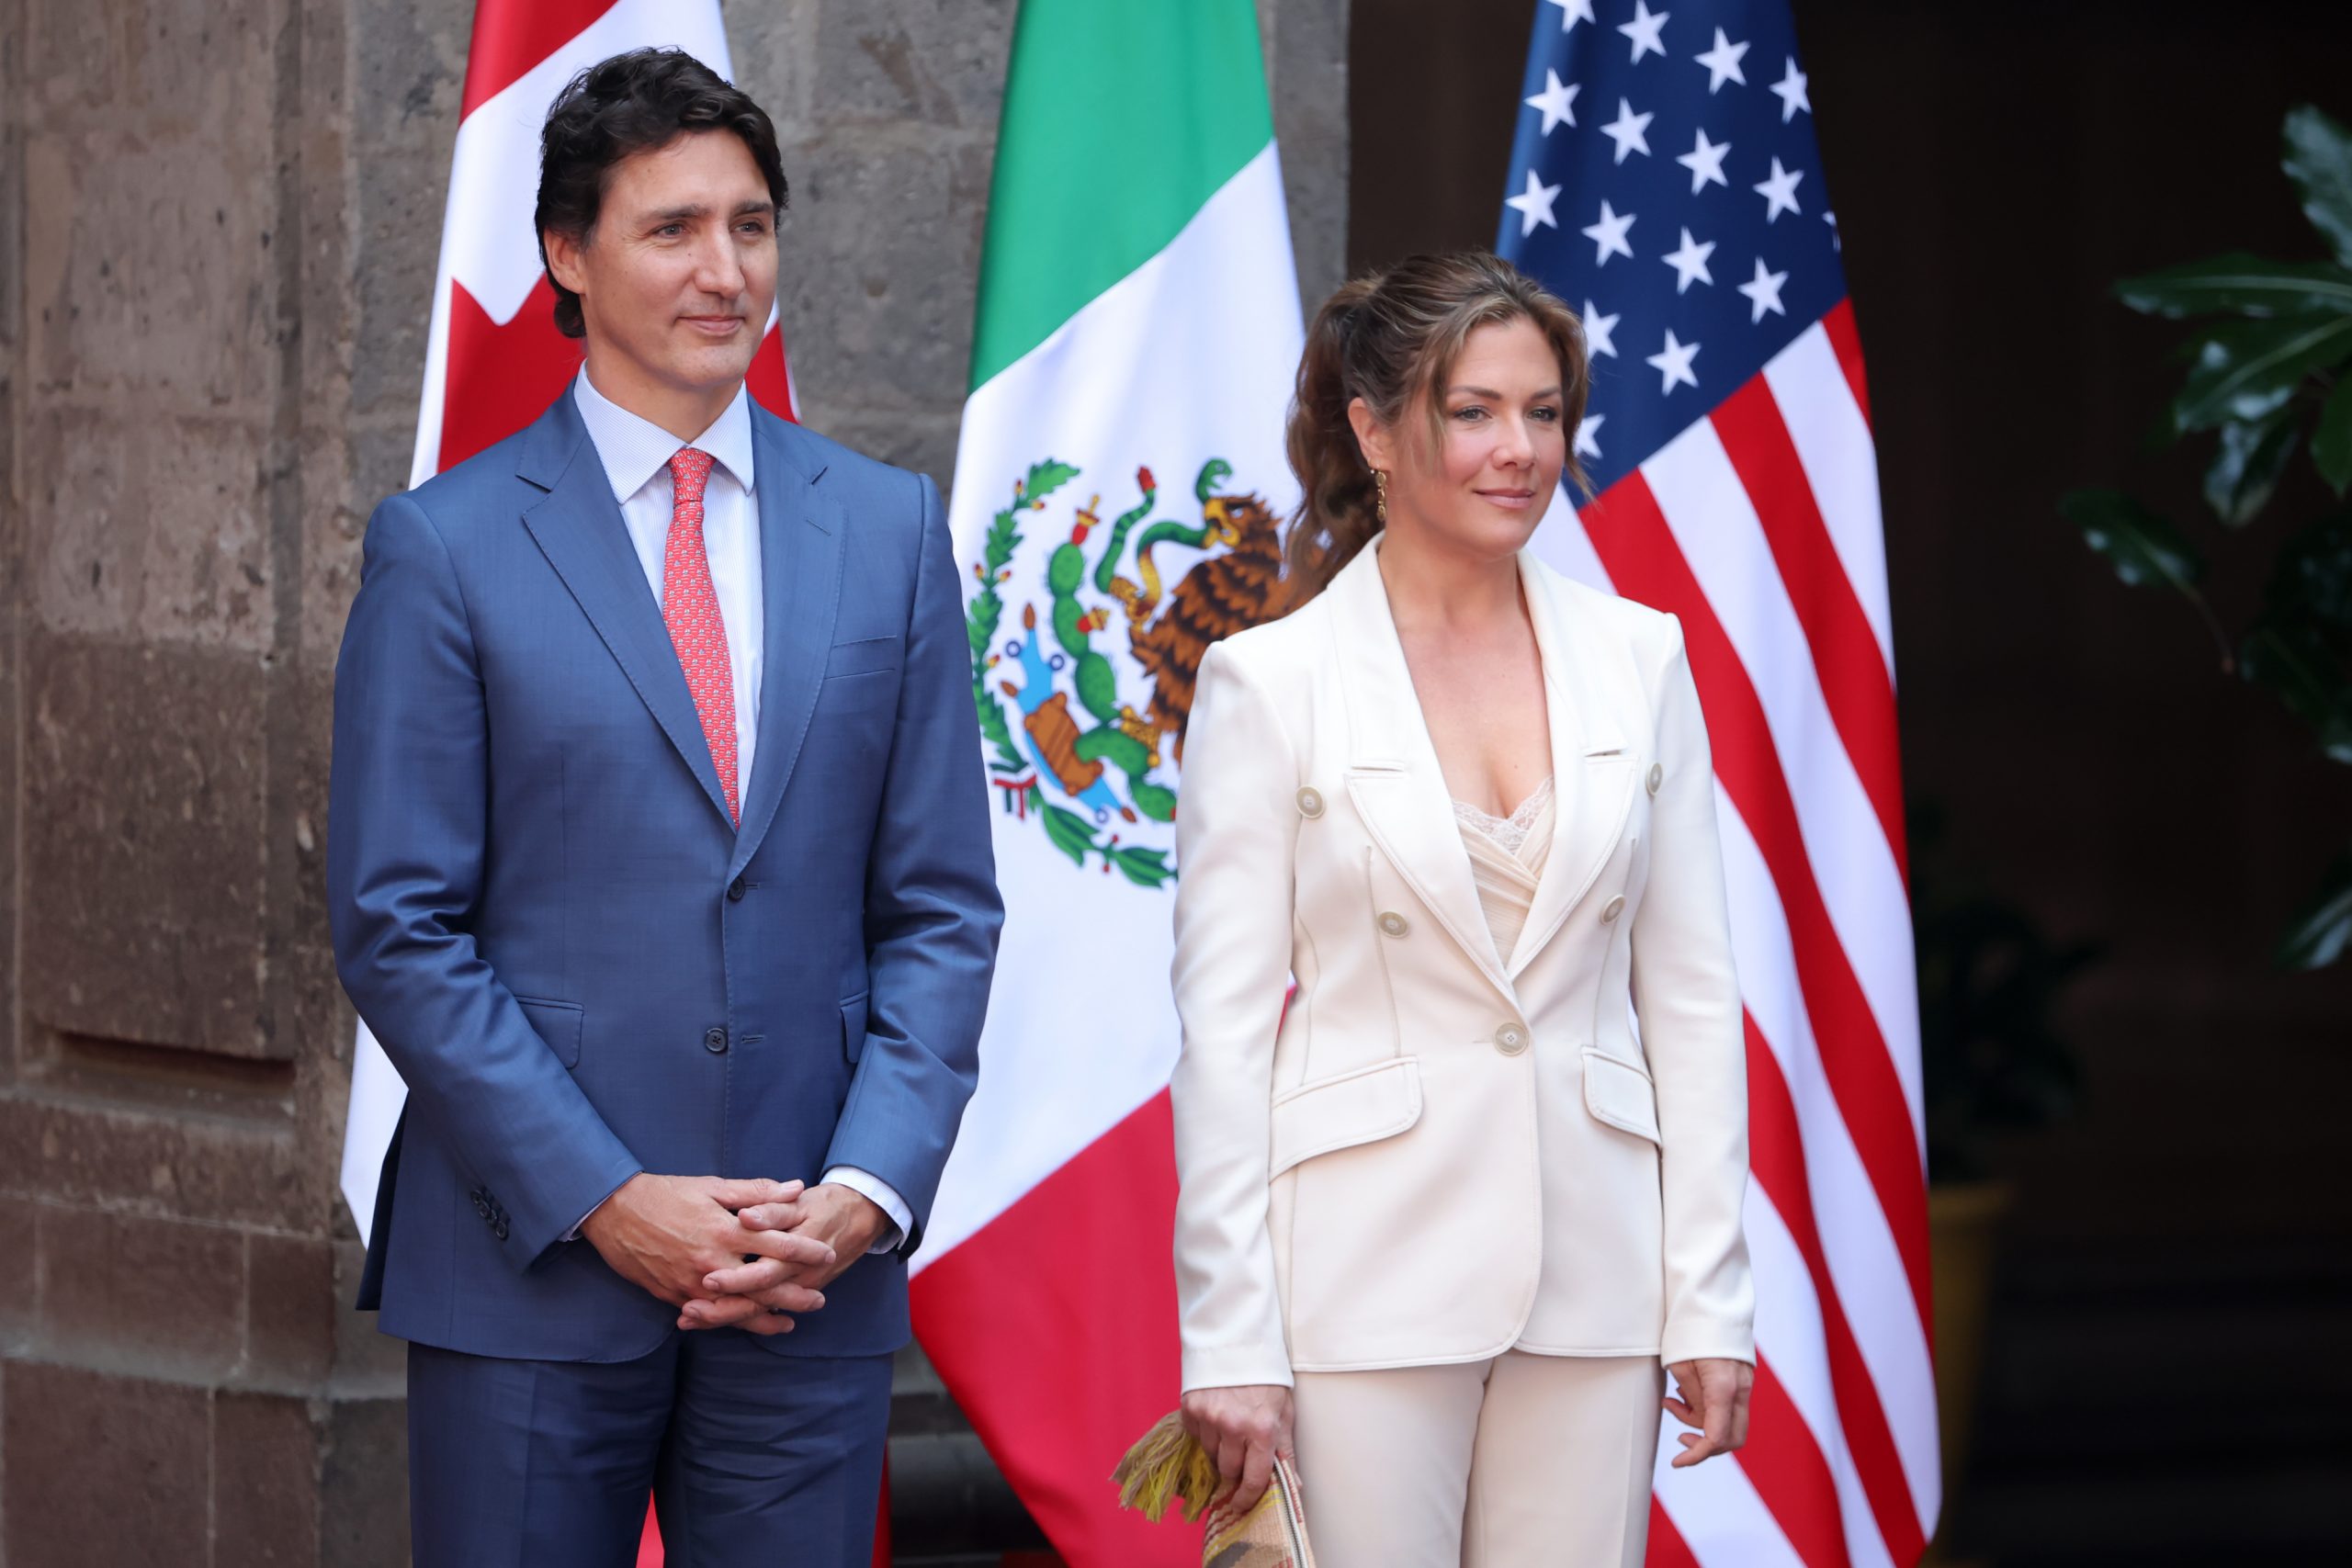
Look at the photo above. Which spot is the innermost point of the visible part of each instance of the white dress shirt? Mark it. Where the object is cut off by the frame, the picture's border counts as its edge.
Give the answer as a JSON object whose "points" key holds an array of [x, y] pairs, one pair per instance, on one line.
{"points": [[635, 454]]}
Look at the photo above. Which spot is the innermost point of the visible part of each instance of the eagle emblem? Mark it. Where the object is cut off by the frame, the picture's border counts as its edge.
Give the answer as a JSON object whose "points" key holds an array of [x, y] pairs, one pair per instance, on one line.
{"points": [[1087, 759]]}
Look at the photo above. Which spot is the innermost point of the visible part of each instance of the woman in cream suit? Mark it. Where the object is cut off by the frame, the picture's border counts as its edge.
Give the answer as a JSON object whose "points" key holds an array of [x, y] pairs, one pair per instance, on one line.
{"points": [[1449, 1217]]}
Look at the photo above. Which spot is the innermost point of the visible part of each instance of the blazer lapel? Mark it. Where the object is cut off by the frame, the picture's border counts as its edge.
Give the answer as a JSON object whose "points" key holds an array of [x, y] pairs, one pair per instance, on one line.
{"points": [[579, 529], [800, 575], [1592, 772], [1393, 774]]}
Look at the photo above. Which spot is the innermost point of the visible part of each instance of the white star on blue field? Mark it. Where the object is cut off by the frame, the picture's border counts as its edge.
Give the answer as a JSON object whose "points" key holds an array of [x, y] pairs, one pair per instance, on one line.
{"points": [[1665, 180]]}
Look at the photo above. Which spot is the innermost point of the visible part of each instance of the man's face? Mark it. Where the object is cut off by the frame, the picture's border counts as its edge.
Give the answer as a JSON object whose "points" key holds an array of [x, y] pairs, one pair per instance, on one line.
{"points": [[676, 278]]}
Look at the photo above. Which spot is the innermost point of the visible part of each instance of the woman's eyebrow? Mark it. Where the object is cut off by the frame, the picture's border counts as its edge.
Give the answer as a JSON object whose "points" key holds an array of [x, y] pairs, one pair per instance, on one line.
{"points": [[1492, 396]]}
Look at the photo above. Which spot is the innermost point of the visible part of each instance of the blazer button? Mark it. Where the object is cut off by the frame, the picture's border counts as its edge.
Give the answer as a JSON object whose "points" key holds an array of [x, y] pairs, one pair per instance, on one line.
{"points": [[1310, 802], [1657, 777], [735, 891], [501, 1230], [1511, 1039], [1615, 908], [1393, 923], [715, 1041]]}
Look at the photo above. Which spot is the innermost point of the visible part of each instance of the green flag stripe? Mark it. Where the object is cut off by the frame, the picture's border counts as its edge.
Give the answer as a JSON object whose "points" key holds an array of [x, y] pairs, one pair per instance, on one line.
{"points": [[1120, 120]]}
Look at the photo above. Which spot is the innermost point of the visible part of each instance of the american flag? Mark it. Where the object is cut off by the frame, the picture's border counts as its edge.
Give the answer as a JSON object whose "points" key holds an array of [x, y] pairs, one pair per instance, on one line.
{"points": [[1665, 181]]}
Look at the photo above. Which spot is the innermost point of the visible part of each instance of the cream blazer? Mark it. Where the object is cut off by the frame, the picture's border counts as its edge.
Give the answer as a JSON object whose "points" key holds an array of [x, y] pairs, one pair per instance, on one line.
{"points": [[1440, 1152]]}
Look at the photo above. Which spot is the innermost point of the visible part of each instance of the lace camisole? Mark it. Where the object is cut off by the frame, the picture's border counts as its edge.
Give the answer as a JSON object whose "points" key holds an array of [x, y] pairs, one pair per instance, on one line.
{"points": [[1507, 856]]}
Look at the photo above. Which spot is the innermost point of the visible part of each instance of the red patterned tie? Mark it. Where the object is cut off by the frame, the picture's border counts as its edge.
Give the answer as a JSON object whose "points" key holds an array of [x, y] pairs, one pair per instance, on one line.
{"points": [[690, 606]]}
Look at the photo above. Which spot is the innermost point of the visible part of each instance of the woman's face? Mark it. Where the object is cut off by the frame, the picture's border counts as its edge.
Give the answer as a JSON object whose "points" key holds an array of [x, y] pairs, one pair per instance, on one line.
{"points": [[1481, 493]]}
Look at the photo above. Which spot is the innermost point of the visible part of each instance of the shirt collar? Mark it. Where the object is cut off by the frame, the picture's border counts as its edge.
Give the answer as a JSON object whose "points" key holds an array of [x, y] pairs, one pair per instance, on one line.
{"points": [[634, 449]]}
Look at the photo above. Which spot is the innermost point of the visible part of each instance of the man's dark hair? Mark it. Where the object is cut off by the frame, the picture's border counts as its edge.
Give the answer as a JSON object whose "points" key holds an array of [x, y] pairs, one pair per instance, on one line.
{"points": [[637, 102]]}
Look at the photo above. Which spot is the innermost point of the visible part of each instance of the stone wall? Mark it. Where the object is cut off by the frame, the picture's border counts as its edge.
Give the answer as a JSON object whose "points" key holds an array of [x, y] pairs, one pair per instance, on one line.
{"points": [[218, 232]]}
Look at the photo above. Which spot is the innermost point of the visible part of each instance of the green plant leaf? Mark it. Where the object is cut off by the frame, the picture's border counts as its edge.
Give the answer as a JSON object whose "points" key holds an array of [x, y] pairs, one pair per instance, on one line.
{"points": [[2242, 283], [2143, 546], [2248, 465], [2247, 369], [2332, 442], [2321, 928], [2276, 660], [2319, 160], [2301, 646]]}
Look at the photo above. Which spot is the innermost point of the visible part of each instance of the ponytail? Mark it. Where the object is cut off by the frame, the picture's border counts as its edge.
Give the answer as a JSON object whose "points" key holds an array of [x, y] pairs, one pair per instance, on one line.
{"points": [[1338, 514]]}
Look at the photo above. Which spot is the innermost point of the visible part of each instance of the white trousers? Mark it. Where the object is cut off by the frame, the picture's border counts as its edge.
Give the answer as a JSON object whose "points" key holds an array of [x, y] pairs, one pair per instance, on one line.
{"points": [[1523, 1461]]}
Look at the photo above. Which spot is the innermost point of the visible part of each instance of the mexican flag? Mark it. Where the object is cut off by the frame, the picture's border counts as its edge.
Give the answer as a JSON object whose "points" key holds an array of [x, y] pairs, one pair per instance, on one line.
{"points": [[1119, 503]]}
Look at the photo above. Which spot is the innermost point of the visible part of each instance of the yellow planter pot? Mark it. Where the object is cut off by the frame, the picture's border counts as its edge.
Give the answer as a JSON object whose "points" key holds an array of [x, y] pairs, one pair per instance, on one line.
{"points": [[1963, 1229]]}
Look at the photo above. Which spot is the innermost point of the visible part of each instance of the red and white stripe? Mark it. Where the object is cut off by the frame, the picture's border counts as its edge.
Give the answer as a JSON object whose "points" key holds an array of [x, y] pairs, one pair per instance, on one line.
{"points": [[1760, 527]]}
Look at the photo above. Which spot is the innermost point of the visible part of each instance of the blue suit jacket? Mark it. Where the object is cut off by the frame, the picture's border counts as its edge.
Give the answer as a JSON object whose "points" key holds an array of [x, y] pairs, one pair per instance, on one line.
{"points": [[581, 968]]}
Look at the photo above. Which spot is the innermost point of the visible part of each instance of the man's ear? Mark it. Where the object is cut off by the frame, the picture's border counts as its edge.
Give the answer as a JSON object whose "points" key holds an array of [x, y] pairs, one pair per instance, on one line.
{"points": [[563, 259], [1372, 439]]}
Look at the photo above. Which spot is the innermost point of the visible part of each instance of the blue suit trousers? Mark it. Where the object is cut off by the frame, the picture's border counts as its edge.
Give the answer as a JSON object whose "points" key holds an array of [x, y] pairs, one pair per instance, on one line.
{"points": [[750, 1458]]}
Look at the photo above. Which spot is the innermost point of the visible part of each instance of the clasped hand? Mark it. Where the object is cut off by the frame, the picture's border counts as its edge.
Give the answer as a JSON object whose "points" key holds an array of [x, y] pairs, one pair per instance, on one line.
{"points": [[747, 1254]]}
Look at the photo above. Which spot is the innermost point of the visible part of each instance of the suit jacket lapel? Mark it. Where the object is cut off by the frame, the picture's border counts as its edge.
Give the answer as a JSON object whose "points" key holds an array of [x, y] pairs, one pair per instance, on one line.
{"points": [[579, 529], [801, 574], [1393, 772], [1592, 772]]}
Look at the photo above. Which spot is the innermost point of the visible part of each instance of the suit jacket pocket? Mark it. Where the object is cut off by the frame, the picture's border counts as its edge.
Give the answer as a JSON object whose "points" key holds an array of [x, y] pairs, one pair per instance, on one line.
{"points": [[867, 691], [1361, 1106], [558, 1023], [854, 1027], [866, 655], [1620, 1094]]}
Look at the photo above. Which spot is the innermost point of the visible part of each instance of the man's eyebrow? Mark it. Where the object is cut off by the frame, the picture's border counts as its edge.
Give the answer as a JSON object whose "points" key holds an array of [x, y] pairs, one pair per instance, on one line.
{"points": [[1491, 395], [697, 209]]}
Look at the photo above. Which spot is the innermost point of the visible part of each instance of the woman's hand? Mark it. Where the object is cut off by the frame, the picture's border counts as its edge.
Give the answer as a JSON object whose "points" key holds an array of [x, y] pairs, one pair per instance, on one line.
{"points": [[1243, 1429], [1711, 1394]]}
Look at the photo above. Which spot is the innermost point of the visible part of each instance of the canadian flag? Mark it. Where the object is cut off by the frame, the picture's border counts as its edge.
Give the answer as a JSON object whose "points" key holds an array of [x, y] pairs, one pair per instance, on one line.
{"points": [[495, 361]]}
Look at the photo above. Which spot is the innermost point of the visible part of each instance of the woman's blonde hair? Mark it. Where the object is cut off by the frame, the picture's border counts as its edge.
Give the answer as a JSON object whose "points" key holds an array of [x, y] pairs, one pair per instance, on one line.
{"points": [[1391, 338]]}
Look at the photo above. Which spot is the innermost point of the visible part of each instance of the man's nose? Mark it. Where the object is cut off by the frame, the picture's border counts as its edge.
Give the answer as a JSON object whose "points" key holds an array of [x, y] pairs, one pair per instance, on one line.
{"points": [[718, 270]]}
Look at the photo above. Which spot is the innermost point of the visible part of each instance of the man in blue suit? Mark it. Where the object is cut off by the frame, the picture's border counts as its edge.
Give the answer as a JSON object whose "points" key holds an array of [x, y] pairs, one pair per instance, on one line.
{"points": [[660, 865]]}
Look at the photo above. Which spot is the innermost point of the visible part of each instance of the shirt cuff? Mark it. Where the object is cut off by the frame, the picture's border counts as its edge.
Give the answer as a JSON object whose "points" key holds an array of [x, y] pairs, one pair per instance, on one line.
{"points": [[574, 1234], [884, 1196]]}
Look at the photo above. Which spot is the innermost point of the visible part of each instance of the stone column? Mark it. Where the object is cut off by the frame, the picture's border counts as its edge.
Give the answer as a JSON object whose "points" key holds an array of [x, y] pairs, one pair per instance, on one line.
{"points": [[178, 1385]]}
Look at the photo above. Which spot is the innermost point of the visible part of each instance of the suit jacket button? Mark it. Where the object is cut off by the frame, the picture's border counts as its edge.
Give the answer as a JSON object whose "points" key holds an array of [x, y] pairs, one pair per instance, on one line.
{"points": [[714, 1041], [501, 1230], [1393, 923], [1310, 802], [1511, 1039], [1615, 908], [735, 891], [1657, 777]]}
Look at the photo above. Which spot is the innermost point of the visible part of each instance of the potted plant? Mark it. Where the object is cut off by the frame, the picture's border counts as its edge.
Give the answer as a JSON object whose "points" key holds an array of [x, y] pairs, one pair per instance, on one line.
{"points": [[2266, 379], [1995, 1064]]}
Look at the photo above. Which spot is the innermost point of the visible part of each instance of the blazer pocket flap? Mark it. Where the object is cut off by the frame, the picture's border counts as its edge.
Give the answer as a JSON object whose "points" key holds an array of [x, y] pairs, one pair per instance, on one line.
{"points": [[853, 1026], [558, 1023], [1358, 1107], [1620, 1094], [866, 655]]}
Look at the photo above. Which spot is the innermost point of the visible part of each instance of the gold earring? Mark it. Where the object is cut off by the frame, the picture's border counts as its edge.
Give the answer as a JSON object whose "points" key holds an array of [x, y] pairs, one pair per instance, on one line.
{"points": [[1380, 496]]}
